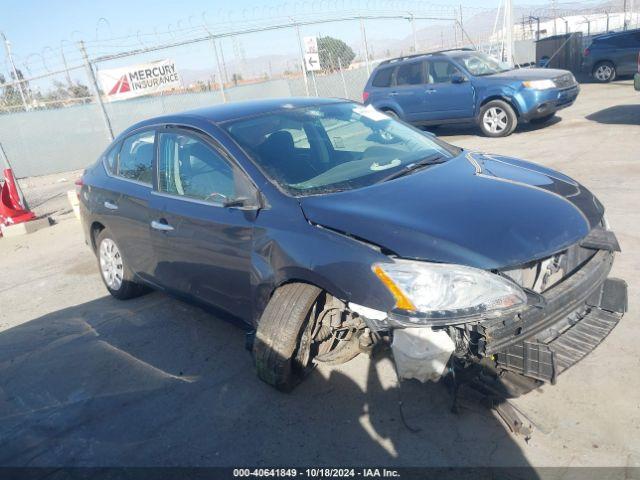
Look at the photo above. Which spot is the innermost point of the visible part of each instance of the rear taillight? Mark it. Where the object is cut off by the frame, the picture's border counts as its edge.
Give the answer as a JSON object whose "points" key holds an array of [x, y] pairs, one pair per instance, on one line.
{"points": [[79, 183], [586, 52], [365, 96], [638, 62]]}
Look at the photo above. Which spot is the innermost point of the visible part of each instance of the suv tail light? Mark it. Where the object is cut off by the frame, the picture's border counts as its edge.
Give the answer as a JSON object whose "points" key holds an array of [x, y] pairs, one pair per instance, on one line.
{"points": [[586, 52], [79, 183], [638, 62], [365, 96]]}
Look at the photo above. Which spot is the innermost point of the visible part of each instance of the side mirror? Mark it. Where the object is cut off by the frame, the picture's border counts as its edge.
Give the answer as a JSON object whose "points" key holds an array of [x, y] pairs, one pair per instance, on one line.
{"points": [[458, 78]]}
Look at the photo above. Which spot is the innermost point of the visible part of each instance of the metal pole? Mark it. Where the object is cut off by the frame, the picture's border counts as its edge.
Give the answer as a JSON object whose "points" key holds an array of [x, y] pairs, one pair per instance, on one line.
{"points": [[509, 32], [7, 46], [304, 66], [66, 67], [220, 81], [413, 30], [365, 46], [313, 79], [344, 84], [624, 18], [96, 90]]}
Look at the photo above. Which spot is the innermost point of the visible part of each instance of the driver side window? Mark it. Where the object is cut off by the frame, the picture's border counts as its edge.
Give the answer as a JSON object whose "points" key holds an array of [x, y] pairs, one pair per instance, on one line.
{"points": [[441, 71], [189, 167]]}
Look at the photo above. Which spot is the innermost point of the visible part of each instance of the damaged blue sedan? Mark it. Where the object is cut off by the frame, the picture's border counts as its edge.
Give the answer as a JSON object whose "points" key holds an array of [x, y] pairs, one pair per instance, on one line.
{"points": [[332, 229]]}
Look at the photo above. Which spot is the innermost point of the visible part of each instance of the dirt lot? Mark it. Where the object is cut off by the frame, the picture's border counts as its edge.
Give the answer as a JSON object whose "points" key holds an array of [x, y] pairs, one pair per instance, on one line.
{"points": [[88, 380]]}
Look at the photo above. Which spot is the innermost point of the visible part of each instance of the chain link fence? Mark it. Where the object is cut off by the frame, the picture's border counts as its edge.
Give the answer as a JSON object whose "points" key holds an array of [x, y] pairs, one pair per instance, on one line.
{"points": [[55, 117]]}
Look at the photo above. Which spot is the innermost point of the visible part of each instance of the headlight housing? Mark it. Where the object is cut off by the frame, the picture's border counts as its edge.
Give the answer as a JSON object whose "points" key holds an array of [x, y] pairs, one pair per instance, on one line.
{"points": [[448, 293], [539, 84]]}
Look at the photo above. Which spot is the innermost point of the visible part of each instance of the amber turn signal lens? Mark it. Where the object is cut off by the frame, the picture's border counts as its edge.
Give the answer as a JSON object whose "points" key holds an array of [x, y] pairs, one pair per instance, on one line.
{"points": [[402, 301]]}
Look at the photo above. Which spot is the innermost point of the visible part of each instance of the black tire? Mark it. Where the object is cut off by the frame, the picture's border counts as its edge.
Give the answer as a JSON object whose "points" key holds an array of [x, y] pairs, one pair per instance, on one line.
{"points": [[279, 334], [604, 72], [391, 113], [127, 288], [504, 125], [540, 120]]}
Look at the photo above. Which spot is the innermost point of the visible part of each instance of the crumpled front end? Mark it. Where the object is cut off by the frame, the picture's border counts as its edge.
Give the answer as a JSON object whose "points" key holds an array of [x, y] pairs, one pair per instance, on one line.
{"points": [[572, 305]]}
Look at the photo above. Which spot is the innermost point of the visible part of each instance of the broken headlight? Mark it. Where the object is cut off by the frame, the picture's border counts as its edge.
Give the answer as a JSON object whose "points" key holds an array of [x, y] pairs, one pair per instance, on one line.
{"points": [[441, 291]]}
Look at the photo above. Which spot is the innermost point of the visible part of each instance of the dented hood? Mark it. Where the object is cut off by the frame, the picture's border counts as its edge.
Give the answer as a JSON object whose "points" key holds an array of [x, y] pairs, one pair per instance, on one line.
{"points": [[479, 210]]}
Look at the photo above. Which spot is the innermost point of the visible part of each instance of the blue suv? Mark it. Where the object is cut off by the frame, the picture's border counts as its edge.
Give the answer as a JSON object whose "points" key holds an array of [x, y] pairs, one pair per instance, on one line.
{"points": [[456, 86]]}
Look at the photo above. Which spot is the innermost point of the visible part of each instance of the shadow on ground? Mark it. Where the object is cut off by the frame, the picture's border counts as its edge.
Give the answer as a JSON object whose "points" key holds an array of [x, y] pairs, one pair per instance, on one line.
{"points": [[471, 129], [154, 381], [617, 115]]}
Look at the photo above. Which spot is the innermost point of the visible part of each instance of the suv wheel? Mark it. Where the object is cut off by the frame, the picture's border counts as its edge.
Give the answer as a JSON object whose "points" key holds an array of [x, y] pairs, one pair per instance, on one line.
{"points": [[391, 113], [497, 119], [604, 72], [113, 269]]}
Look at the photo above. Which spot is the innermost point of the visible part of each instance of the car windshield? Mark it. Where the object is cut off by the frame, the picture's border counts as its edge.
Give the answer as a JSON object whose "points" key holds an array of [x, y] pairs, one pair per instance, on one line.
{"points": [[479, 64], [332, 147]]}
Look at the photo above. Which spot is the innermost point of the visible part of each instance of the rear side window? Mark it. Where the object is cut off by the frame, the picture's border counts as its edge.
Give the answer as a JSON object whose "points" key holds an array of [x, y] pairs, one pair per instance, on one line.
{"points": [[191, 168], [410, 74], [383, 78], [111, 159], [136, 157]]}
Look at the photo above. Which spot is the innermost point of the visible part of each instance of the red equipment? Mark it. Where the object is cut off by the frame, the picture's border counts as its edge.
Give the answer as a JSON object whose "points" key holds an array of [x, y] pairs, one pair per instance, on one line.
{"points": [[12, 209]]}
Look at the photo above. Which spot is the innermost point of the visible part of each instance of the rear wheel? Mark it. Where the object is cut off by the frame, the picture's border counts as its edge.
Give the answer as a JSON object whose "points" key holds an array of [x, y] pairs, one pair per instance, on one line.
{"points": [[497, 119], [391, 113], [604, 72], [113, 269], [296, 329]]}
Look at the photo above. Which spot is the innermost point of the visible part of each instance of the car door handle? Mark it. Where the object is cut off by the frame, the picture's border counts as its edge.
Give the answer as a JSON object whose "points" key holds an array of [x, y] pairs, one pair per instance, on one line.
{"points": [[162, 226], [393, 94], [430, 90], [110, 205]]}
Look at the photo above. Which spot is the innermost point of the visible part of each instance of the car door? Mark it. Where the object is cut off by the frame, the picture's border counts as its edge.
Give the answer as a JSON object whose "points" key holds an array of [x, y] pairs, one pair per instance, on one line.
{"points": [[125, 204], [446, 98], [627, 49], [408, 91], [202, 247]]}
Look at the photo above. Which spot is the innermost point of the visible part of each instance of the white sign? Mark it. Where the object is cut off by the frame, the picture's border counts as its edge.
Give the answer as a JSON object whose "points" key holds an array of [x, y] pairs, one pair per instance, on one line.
{"points": [[311, 56], [137, 80]]}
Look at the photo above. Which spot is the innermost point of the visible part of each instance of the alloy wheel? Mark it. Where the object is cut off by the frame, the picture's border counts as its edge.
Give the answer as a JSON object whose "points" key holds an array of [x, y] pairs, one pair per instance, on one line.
{"points": [[603, 73], [495, 120], [111, 265]]}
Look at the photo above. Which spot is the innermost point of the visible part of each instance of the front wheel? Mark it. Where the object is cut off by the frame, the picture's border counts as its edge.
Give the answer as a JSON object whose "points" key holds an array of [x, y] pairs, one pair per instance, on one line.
{"points": [[497, 119], [295, 330]]}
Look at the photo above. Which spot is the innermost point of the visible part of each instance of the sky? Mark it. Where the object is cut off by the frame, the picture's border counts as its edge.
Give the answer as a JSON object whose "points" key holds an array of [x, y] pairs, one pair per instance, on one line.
{"points": [[36, 28]]}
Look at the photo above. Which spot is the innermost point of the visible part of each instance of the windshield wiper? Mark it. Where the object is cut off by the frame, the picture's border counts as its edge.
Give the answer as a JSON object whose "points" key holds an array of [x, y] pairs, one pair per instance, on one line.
{"points": [[412, 167]]}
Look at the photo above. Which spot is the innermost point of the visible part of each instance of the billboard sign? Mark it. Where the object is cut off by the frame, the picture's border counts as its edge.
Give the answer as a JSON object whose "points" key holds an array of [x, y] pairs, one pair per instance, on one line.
{"points": [[137, 80]]}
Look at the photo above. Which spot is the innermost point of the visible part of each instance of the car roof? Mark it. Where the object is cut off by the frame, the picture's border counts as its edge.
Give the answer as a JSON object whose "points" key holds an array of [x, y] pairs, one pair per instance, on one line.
{"points": [[604, 36], [454, 52], [235, 110]]}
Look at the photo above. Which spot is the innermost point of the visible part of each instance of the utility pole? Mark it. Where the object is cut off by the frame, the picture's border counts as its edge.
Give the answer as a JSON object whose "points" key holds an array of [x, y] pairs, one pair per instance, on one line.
{"points": [[508, 21], [96, 90], [413, 30], [365, 46], [624, 18], [302, 59], [7, 46], [64, 62]]}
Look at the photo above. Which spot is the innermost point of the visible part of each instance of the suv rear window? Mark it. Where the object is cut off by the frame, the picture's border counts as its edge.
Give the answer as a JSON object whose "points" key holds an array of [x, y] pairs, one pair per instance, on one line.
{"points": [[383, 78], [626, 40]]}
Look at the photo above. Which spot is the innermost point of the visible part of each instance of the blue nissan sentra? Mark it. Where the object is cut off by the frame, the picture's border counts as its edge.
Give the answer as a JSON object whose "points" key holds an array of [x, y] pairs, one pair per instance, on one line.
{"points": [[460, 86], [331, 228]]}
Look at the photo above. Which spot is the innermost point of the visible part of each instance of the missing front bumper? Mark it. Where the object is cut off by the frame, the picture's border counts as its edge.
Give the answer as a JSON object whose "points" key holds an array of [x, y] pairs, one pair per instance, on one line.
{"points": [[549, 353]]}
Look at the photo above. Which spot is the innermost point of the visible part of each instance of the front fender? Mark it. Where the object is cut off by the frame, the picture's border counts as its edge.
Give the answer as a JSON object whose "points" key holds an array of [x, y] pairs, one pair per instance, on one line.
{"points": [[334, 262]]}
